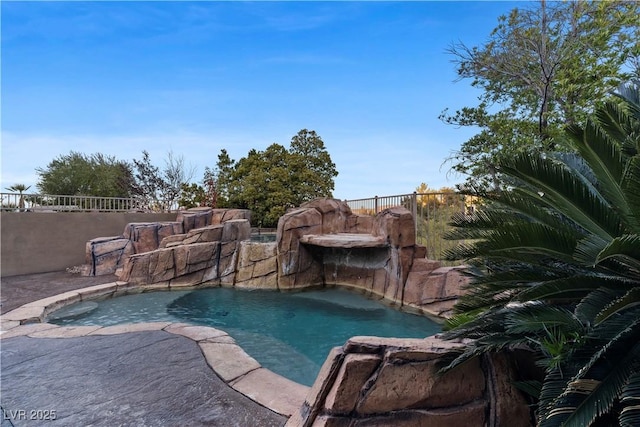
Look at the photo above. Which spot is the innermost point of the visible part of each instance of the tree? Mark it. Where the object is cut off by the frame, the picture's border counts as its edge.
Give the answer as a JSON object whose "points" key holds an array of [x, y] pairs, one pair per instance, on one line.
{"points": [[312, 166], [86, 175], [555, 261], [264, 183], [541, 70], [192, 195], [19, 188], [148, 181], [174, 174], [223, 178], [160, 189], [271, 181], [210, 188]]}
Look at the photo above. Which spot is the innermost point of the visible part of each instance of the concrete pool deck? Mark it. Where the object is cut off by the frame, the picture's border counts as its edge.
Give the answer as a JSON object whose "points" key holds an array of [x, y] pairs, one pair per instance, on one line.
{"points": [[136, 374]]}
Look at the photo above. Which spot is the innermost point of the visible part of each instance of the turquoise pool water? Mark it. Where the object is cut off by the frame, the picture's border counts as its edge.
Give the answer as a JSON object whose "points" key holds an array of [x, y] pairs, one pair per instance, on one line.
{"points": [[288, 333]]}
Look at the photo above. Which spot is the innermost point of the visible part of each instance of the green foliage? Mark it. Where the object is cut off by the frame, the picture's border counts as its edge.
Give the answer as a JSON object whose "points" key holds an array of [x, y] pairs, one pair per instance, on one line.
{"points": [[542, 69], [19, 188], [271, 181], [435, 209], [86, 175], [556, 264], [192, 195], [160, 189]]}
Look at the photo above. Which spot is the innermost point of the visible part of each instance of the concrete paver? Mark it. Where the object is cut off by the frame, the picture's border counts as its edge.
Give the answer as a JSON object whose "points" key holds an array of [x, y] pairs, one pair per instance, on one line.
{"points": [[151, 378], [133, 378]]}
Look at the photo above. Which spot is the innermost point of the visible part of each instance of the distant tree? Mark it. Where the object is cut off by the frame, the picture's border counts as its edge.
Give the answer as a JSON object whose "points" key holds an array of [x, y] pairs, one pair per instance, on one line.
{"points": [[160, 189], [86, 175], [264, 181], [223, 178], [542, 69], [271, 181], [19, 188], [148, 180], [175, 174], [191, 196], [312, 166], [422, 190], [210, 188]]}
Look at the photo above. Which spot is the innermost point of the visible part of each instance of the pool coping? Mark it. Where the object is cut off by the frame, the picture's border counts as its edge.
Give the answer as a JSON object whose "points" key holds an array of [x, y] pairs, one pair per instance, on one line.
{"points": [[221, 352]]}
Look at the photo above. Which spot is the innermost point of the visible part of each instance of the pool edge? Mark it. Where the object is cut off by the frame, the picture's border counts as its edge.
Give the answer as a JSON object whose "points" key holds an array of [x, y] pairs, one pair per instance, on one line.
{"points": [[240, 371]]}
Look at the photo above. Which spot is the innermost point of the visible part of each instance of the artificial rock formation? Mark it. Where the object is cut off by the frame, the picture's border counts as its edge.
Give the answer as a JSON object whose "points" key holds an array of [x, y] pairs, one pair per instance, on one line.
{"points": [[203, 255], [104, 255], [369, 381], [320, 243], [324, 243], [389, 381]]}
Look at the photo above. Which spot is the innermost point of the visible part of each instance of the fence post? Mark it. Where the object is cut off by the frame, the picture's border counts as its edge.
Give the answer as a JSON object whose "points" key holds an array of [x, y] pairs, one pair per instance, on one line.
{"points": [[414, 212], [375, 202]]}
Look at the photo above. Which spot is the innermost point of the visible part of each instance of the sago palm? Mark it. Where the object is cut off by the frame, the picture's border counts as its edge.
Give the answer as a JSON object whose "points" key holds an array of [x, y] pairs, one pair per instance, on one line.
{"points": [[556, 269]]}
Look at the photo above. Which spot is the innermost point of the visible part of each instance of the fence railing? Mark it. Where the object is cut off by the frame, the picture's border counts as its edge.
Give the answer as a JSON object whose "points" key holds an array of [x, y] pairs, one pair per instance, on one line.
{"points": [[431, 212], [17, 202]]}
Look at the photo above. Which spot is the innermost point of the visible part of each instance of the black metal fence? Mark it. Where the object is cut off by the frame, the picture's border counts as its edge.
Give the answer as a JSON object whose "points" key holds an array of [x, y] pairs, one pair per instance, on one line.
{"points": [[431, 211]]}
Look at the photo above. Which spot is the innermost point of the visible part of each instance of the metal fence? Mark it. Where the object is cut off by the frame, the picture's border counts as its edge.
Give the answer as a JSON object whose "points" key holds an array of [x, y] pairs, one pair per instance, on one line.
{"points": [[431, 212], [20, 202]]}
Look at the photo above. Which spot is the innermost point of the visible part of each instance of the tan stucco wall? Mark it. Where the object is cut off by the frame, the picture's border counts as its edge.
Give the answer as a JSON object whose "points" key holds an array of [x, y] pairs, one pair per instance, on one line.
{"points": [[40, 242]]}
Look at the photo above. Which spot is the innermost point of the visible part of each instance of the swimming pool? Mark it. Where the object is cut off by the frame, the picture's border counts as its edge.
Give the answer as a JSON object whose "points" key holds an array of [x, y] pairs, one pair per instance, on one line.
{"points": [[288, 333]]}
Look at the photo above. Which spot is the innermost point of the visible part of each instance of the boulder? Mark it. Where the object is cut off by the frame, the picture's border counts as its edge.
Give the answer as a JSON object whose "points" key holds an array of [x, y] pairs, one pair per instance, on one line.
{"points": [[434, 291], [104, 255], [146, 236], [335, 214], [374, 381], [257, 266], [296, 265]]}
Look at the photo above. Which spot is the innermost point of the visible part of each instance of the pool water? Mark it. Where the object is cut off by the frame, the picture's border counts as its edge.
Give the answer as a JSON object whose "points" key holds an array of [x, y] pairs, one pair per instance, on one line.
{"points": [[288, 333]]}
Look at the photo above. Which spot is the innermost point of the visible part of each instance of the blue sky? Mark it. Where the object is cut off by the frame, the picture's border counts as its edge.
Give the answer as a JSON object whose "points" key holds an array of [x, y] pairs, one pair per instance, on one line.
{"points": [[121, 77]]}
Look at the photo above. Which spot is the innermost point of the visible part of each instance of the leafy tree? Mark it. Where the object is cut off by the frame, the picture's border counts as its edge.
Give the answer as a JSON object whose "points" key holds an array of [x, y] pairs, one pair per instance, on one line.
{"points": [[312, 166], [542, 69], [192, 195], [148, 181], [210, 188], [264, 180], [271, 181], [175, 174], [556, 267], [160, 189], [434, 210], [223, 178], [86, 175]]}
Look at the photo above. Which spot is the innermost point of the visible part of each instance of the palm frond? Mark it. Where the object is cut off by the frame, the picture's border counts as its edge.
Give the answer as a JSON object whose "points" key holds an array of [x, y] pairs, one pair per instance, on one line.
{"points": [[560, 189], [592, 305], [630, 400], [625, 249], [629, 300], [557, 270], [631, 187], [575, 286], [595, 389], [604, 156], [537, 317]]}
